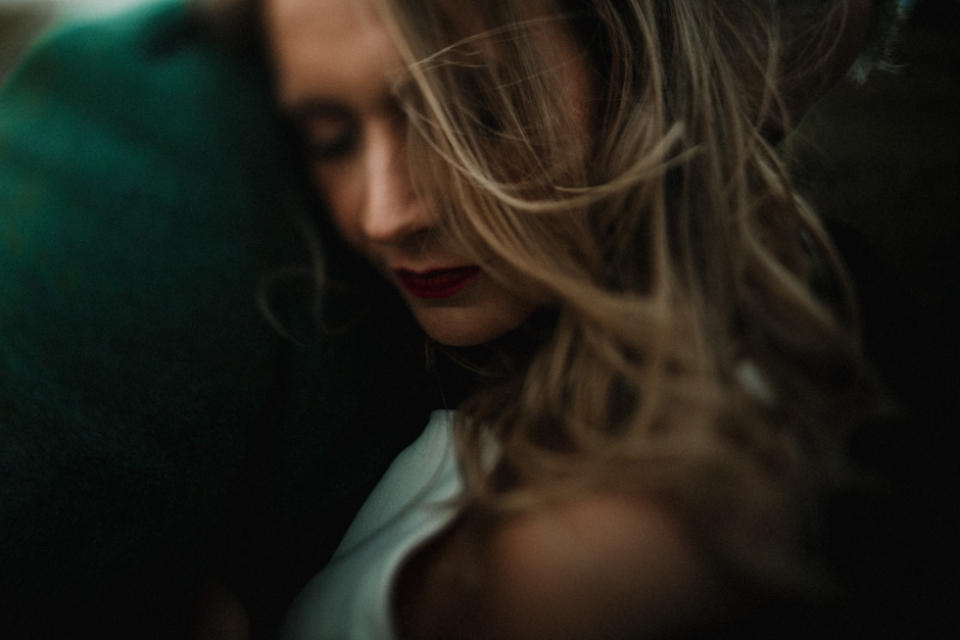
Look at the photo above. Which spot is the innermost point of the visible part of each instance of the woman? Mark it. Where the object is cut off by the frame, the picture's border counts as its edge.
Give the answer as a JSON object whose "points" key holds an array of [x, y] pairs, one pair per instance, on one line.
{"points": [[586, 203]]}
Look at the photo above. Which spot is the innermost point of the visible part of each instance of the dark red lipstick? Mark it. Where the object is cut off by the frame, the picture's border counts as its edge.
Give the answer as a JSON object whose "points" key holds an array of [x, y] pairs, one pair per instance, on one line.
{"points": [[437, 283]]}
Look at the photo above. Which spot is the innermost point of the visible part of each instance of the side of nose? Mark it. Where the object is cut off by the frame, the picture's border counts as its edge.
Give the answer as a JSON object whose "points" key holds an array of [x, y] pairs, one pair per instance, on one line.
{"points": [[391, 210]]}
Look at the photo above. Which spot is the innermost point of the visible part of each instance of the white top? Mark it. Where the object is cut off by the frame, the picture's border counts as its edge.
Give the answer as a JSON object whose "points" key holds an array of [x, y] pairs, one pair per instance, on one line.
{"points": [[350, 599]]}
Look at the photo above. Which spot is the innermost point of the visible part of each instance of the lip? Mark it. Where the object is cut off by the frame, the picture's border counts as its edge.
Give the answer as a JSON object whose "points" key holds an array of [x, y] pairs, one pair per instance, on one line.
{"points": [[437, 283]]}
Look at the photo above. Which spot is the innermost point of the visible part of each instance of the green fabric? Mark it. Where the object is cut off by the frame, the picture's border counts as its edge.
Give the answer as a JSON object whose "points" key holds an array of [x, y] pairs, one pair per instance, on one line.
{"points": [[128, 265], [152, 425]]}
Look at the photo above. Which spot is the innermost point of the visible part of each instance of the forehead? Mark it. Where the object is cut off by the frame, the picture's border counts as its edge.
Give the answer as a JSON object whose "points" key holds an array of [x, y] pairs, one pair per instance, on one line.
{"points": [[338, 48]]}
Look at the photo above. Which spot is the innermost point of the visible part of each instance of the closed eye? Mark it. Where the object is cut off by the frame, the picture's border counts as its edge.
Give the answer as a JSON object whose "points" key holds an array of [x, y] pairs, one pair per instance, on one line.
{"points": [[329, 130], [330, 136]]}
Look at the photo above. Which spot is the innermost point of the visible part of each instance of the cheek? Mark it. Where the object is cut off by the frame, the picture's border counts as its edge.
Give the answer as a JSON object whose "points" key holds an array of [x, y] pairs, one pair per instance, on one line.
{"points": [[339, 189]]}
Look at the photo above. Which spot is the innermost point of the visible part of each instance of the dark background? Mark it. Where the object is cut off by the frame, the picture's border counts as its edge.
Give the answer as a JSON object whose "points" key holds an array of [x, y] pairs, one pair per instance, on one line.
{"points": [[881, 163]]}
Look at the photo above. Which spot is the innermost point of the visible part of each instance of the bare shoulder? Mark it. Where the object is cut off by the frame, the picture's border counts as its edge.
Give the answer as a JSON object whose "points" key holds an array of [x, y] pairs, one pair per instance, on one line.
{"points": [[605, 565]]}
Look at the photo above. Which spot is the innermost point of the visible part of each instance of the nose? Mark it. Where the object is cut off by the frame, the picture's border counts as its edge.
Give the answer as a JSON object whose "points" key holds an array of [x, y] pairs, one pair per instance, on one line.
{"points": [[392, 213]]}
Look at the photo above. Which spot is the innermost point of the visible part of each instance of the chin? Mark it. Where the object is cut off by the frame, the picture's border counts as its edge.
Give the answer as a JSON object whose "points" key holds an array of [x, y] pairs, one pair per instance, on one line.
{"points": [[470, 326]]}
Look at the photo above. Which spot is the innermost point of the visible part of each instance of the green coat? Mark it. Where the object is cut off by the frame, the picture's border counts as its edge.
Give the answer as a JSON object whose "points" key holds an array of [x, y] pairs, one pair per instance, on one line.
{"points": [[153, 426]]}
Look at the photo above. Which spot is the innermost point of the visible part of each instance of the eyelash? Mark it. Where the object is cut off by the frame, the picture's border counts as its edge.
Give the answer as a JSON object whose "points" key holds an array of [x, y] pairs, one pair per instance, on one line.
{"points": [[339, 148]]}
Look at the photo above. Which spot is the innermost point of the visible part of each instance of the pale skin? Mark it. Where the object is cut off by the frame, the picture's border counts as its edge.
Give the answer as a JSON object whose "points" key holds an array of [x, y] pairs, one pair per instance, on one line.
{"points": [[604, 565], [336, 66]]}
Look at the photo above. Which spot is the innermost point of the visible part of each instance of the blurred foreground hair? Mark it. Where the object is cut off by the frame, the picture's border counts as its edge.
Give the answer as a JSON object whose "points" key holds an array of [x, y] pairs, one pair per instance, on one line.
{"points": [[699, 339]]}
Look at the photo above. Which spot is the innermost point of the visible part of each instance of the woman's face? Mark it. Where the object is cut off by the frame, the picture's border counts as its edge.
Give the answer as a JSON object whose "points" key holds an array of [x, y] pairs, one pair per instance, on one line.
{"points": [[336, 66]]}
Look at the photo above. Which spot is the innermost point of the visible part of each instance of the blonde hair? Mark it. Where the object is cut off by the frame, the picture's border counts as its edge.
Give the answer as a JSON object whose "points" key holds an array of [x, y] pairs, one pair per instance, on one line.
{"points": [[698, 342], [687, 355]]}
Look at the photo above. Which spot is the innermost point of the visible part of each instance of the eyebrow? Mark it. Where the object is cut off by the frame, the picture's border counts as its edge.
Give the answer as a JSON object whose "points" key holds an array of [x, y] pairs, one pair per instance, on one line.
{"points": [[310, 108]]}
